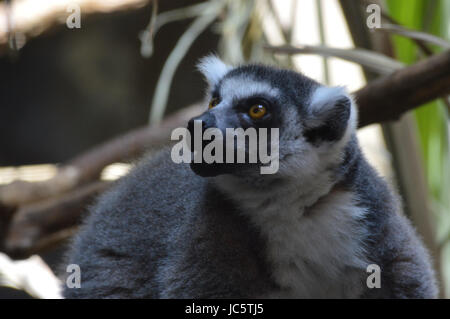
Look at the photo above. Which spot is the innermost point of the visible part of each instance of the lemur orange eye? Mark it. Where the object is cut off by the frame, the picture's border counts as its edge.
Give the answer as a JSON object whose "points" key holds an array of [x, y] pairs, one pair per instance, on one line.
{"points": [[257, 111], [213, 103]]}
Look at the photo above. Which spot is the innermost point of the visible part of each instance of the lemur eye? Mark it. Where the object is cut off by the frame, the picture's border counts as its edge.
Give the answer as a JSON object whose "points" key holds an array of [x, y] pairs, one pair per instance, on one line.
{"points": [[213, 102], [257, 111]]}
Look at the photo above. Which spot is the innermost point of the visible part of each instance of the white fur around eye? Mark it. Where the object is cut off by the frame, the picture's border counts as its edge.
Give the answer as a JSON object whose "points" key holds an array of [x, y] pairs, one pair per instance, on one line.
{"points": [[213, 68]]}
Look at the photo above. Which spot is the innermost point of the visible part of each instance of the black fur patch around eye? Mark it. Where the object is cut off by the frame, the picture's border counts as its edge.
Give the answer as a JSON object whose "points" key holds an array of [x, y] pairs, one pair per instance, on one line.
{"points": [[334, 122]]}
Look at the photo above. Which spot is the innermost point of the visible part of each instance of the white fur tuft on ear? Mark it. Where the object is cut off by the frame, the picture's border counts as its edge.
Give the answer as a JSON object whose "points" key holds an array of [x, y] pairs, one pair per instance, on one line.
{"points": [[213, 68], [325, 97], [328, 100]]}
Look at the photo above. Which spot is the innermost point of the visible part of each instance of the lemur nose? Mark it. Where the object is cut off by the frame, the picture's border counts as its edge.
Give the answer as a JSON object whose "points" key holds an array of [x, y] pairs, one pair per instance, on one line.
{"points": [[207, 120]]}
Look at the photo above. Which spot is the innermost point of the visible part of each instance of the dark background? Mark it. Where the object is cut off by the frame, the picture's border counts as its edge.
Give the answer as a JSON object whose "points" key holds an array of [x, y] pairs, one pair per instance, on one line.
{"points": [[69, 89]]}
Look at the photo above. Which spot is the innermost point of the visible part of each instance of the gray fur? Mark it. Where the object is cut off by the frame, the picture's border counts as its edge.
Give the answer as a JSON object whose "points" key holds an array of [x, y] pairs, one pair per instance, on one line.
{"points": [[309, 231]]}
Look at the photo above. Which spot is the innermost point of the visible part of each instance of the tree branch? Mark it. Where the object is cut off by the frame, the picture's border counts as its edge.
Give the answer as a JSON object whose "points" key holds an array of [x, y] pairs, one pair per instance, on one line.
{"points": [[87, 166], [21, 17], [387, 98], [37, 226]]}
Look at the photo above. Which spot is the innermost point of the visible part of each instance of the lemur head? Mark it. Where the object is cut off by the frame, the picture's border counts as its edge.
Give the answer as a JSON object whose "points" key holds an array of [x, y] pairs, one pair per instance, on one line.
{"points": [[315, 122]]}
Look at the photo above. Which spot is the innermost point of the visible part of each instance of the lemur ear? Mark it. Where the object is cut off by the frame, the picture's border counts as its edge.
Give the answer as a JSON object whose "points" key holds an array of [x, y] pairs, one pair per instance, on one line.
{"points": [[213, 68], [331, 114]]}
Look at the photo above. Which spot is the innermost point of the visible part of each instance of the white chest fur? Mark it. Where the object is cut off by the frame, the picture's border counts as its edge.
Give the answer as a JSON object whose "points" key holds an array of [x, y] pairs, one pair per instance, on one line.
{"points": [[319, 252], [315, 252]]}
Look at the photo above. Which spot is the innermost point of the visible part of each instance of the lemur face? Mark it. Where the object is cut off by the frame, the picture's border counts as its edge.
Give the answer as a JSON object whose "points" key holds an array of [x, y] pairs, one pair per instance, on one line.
{"points": [[312, 120]]}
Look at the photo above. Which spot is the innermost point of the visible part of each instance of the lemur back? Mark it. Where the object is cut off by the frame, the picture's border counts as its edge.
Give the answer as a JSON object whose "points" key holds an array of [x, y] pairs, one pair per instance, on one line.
{"points": [[310, 230]]}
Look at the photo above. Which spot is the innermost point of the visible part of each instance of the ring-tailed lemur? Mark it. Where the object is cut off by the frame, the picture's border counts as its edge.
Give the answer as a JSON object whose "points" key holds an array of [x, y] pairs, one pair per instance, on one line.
{"points": [[309, 230]]}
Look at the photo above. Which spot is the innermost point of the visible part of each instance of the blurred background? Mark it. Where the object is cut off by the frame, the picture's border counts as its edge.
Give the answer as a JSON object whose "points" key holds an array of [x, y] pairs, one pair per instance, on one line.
{"points": [[87, 86]]}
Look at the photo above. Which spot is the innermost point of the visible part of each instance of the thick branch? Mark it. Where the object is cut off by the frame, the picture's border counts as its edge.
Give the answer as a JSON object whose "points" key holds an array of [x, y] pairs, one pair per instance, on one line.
{"points": [[87, 166], [387, 98]]}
